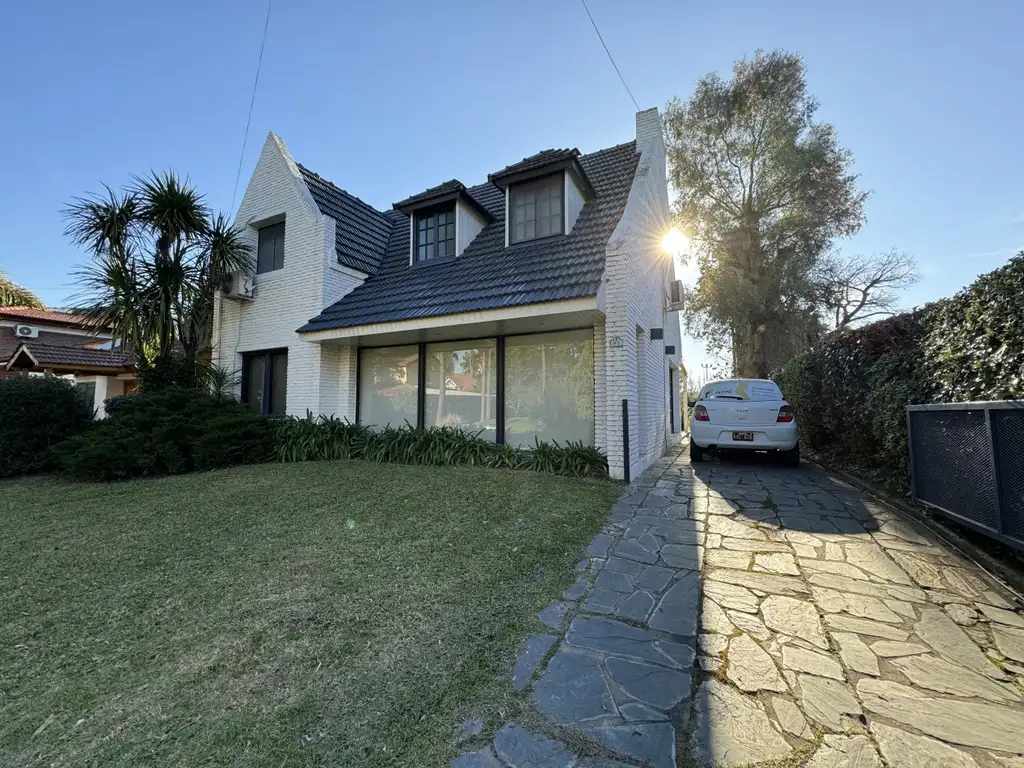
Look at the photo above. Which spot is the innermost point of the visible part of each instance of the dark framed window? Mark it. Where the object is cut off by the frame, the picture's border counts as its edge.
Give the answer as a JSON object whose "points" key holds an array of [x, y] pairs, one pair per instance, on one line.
{"points": [[389, 386], [509, 389], [86, 392], [536, 209], [270, 250], [435, 234], [265, 381]]}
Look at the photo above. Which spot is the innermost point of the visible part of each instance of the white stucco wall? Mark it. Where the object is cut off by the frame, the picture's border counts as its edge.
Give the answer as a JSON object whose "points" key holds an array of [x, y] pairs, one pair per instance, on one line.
{"points": [[637, 272], [106, 386], [285, 299]]}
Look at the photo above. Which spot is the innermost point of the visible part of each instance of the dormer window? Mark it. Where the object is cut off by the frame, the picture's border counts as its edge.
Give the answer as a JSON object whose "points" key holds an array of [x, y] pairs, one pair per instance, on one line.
{"points": [[435, 233], [443, 221], [544, 194], [536, 208]]}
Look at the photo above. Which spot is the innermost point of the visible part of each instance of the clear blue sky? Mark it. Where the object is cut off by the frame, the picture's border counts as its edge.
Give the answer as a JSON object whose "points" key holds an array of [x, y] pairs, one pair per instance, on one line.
{"points": [[388, 99]]}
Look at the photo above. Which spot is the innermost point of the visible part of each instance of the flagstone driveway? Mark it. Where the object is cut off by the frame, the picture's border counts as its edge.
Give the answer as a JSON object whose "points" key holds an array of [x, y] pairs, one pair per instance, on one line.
{"points": [[743, 614]]}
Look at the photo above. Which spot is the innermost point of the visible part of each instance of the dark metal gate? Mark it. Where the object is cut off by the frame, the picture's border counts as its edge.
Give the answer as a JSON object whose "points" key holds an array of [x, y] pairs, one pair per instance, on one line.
{"points": [[967, 461]]}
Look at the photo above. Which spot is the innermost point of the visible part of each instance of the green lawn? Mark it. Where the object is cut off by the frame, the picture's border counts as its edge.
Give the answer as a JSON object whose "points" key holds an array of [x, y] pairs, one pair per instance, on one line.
{"points": [[321, 614]]}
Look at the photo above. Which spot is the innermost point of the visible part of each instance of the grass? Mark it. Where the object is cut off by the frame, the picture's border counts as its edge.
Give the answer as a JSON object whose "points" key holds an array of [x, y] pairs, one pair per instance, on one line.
{"points": [[336, 613]]}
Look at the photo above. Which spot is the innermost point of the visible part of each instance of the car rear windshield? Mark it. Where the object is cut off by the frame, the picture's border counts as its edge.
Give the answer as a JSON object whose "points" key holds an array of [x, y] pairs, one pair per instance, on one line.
{"points": [[741, 390]]}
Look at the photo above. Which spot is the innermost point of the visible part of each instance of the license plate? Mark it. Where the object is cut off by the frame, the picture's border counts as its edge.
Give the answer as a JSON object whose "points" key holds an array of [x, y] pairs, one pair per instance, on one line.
{"points": [[743, 437]]}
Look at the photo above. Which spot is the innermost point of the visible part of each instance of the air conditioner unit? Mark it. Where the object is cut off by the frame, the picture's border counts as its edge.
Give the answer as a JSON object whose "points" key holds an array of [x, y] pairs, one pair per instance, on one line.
{"points": [[676, 296], [26, 332], [240, 286]]}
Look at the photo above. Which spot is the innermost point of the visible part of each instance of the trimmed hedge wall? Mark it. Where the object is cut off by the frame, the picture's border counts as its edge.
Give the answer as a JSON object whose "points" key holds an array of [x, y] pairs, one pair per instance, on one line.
{"points": [[851, 391]]}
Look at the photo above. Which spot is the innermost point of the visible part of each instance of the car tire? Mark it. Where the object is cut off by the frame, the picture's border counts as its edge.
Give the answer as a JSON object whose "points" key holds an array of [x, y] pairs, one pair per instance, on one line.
{"points": [[791, 458], [696, 453]]}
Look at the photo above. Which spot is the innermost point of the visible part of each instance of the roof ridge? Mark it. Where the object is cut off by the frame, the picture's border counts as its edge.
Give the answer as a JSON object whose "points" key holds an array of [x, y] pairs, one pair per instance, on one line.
{"points": [[609, 149]]}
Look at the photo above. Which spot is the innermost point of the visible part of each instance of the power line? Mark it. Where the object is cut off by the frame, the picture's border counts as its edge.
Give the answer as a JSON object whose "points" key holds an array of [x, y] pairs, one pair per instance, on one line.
{"points": [[248, 120], [612, 60]]}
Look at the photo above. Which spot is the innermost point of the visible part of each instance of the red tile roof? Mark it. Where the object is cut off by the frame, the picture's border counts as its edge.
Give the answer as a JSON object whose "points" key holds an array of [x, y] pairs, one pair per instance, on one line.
{"points": [[46, 316]]}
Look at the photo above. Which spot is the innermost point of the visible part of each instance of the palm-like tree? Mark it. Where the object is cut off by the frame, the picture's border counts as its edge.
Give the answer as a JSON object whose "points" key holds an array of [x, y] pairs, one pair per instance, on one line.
{"points": [[158, 255], [14, 295]]}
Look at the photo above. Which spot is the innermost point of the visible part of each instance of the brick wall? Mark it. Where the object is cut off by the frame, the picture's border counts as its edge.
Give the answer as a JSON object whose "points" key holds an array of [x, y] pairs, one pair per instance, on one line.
{"points": [[636, 279], [285, 299]]}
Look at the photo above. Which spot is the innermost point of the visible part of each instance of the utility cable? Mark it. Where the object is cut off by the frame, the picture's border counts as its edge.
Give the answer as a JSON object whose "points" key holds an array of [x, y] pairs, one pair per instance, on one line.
{"points": [[612, 60], [248, 120]]}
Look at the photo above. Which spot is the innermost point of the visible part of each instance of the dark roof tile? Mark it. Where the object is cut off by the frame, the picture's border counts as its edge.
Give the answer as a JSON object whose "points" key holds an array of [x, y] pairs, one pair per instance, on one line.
{"points": [[361, 232], [539, 160], [488, 275], [449, 187]]}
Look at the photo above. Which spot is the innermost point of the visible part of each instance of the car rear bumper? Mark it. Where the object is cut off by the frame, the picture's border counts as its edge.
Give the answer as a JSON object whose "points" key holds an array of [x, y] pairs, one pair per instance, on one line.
{"points": [[777, 437]]}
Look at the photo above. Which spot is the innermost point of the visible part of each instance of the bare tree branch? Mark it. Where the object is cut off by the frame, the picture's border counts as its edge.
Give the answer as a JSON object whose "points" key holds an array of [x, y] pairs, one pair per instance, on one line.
{"points": [[853, 290]]}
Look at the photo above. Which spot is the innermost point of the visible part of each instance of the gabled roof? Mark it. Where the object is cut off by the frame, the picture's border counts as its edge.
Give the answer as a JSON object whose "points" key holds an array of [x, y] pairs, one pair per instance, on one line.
{"points": [[29, 355], [48, 316], [544, 162], [442, 193], [489, 275], [542, 159], [452, 186], [361, 232]]}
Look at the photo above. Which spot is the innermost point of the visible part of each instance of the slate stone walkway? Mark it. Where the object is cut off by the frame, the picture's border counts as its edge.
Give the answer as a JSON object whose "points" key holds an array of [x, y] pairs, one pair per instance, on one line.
{"points": [[747, 614]]}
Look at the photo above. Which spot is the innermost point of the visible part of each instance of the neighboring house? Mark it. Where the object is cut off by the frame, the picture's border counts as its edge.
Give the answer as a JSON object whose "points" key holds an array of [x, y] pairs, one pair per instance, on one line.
{"points": [[527, 307], [42, 341]]}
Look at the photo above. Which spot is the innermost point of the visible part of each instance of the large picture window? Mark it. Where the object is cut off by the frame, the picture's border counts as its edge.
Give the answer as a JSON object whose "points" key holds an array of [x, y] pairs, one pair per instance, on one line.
{"points": [[435, 234], [461, 386], [388, 386], [549, 388], [265, 381], [514, 389], [270, 249], [536, 209]]}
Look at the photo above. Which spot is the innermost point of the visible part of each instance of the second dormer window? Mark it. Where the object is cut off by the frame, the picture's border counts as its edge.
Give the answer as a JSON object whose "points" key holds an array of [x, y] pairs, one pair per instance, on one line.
{"points": [[535, 209], [435, 234]]}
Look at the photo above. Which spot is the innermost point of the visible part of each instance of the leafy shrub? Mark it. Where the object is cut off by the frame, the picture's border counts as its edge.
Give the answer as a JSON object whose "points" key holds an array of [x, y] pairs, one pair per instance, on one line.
{"points": [[851, 392], [36, 413], [170, 431], [184, 372], [322, 438]]}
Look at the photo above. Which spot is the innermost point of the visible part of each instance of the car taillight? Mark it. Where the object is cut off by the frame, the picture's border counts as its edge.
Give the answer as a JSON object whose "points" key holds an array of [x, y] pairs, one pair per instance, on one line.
{"points": [[785, 415], [700, 413]]}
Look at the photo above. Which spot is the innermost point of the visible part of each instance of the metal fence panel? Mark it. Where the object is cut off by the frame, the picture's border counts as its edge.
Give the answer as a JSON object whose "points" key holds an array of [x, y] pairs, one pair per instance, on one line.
{"points": [[967, 460], [1008, 439]]}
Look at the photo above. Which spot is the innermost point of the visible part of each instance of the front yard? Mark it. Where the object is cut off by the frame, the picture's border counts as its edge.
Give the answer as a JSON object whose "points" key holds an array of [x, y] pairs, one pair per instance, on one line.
{"points": [[339, 613]]}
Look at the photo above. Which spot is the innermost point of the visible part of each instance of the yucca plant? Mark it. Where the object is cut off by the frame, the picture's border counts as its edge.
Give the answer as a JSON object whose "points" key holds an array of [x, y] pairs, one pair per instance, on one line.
{"points": [[157, 257]]}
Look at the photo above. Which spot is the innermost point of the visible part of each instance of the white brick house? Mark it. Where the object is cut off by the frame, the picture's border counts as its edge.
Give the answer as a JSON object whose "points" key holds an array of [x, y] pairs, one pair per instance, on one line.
{"points": [[528, 307]]}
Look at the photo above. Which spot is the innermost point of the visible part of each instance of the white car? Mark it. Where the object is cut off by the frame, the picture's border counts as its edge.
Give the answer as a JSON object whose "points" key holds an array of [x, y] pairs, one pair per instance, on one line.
{"points": [[745, 415]]}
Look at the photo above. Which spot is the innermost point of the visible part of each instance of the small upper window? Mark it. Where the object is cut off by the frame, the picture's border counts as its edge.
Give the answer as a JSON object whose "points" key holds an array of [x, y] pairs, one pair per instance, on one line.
{"points": [[536, 209], [435, 234], [270, 252]]}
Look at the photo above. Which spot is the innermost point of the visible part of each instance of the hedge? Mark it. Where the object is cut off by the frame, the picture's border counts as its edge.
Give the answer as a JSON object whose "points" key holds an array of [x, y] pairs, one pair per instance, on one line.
{"points": [[850, 393], [36, 413], [326, 437], [170, 431]]}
